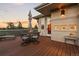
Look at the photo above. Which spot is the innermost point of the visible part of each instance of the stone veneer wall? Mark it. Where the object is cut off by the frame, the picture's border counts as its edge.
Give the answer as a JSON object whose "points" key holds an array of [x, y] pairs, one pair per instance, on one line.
{"points": [[70, 18]]}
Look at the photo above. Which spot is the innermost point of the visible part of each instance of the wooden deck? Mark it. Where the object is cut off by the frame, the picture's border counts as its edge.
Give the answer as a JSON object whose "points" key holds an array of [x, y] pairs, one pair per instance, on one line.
{"points": [[46, 47]]}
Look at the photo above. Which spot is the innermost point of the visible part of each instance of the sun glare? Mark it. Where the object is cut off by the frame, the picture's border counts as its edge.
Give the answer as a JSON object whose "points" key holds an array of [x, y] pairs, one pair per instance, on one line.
{"points": [[25, 23]]}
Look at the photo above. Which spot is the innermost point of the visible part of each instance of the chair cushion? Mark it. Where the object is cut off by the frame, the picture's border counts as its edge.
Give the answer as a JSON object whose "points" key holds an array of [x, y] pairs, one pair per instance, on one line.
{"points": [[34, 36], [24, 37]]}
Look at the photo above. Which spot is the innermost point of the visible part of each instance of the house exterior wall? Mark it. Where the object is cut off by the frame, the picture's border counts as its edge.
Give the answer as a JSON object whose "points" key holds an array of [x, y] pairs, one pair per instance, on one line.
{"points": [[70, 18], [43, 21]]}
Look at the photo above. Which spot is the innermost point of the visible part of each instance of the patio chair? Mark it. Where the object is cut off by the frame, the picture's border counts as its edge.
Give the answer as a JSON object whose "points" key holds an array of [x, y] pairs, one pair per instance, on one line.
{"points": [[35, 37], [25, 39]]}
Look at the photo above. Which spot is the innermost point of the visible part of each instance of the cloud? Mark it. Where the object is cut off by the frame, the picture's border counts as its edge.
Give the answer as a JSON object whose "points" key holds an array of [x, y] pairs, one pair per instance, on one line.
{"points": [[19, 4]]}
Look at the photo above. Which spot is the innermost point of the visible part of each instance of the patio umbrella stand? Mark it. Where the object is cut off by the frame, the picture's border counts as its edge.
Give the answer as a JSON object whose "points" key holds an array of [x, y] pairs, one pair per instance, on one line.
{"points": [[31, 36]]}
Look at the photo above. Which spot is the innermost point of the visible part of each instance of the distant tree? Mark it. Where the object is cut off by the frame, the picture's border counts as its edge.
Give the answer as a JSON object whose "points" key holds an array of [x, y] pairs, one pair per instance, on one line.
{"points": [[35, 27], [10, 25], [19, 25]]}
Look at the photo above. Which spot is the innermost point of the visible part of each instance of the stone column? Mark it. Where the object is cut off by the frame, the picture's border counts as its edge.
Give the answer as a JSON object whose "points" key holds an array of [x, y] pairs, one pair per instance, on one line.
{"points": [[45, 26], [78, 25], [77, 33], [38, 21]]}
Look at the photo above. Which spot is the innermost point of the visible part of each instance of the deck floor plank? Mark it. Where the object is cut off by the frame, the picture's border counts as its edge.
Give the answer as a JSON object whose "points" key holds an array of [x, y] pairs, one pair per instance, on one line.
{"points": [[46, 47]]}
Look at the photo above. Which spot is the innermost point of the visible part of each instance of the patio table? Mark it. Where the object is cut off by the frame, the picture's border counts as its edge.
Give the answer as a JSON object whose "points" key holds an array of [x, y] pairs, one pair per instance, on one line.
{"points": [[31, 37]]}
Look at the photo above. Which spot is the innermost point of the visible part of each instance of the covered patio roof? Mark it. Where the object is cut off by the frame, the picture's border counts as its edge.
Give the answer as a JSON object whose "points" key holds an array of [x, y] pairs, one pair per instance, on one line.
{"points": [[47, 8], [38, 16]]}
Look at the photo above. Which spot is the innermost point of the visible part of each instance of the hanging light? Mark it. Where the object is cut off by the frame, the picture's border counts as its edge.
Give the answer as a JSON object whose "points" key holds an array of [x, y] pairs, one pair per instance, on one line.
{"points": [[62, 12]]}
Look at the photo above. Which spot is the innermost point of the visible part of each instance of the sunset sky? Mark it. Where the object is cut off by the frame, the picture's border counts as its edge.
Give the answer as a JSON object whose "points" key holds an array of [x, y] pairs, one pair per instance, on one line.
{"points": [[15, 12]]}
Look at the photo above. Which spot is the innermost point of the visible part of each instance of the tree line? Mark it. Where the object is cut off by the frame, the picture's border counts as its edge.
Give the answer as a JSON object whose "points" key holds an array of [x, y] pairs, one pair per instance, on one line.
{"points": [[19, 26], [12, 26]]}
